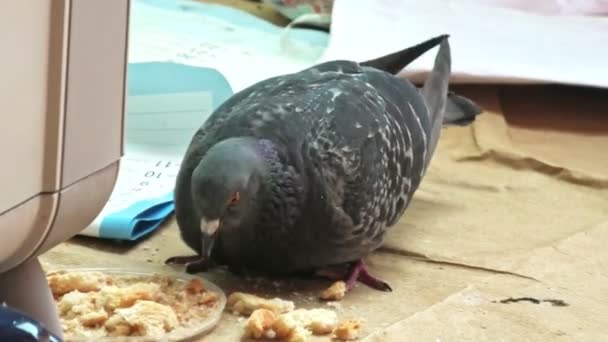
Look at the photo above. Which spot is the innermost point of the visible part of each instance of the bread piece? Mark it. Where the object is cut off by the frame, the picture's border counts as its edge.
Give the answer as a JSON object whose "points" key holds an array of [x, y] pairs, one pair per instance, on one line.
{"points": [[94, 318], [116, 329], [62, 283], [144, 318], [244, 304], [80, 306], [318, 321], [259, 323], [195, 286], [348, 330], [299, 334], [335, 292], [113, 297], [74, 304]]}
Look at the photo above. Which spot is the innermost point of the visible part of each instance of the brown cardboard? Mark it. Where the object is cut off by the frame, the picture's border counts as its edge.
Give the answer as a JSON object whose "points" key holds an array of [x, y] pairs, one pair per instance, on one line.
{"points": [[514, 206]]}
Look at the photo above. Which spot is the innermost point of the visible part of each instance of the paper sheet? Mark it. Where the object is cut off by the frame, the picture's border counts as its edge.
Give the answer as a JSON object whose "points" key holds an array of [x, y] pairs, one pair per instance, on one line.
{"points": [[585, 7], [162, 125], [488, 43], [158, 130], [245, 49], [167, 104]]}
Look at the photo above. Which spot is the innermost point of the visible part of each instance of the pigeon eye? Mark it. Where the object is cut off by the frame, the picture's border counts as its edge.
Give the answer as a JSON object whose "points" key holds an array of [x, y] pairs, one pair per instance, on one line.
{"points": [[235, 198]]}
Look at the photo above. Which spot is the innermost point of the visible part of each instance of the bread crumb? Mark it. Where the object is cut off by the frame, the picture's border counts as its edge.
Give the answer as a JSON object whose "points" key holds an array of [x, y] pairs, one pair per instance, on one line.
{"points": [[119, 329], [348, 330], [270, 334], [74, 304], [145, 318], [207, 297], [195, 286], [299, 334], [244, 304], [260, 323], [94, 318], [62, 283], [113, 297], [335, 292], [276, 319], [318, 321], [284, 325]]}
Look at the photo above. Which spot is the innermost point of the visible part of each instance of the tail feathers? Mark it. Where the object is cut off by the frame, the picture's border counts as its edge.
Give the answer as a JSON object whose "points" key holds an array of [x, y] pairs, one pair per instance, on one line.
{"points": [[435, 88], [460, 111], [395, 62], [435, 91]]}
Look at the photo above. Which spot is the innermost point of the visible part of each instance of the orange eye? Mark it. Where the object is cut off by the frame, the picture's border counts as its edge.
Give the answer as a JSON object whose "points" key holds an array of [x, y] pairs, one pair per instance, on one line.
{"points": [[235, 197]]}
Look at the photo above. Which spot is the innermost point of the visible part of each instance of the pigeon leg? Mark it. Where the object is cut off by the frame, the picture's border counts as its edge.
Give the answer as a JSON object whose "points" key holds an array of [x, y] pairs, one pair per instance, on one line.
{"points": [[356, 272], [359, 272], [182, 259], [193, 263]]}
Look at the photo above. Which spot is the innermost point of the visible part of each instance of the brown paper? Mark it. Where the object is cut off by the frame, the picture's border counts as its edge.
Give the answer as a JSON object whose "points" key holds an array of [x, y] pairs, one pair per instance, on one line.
{"points": [[515, 206]]}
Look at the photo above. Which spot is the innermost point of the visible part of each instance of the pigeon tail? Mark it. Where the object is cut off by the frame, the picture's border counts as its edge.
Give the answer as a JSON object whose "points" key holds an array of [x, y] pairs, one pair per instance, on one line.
{"points": [[395, 62], [435, 93], [460, 111]]}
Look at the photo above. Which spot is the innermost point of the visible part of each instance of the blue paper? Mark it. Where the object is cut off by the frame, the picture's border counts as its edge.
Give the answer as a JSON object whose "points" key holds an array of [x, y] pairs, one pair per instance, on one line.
{"points": [[138, 220], [165, 77]]}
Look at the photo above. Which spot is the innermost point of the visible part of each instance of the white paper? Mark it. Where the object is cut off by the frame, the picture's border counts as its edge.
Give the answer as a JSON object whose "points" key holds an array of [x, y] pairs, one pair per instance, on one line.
{"points": [[585, 7], [244, 54], [488, 43]]}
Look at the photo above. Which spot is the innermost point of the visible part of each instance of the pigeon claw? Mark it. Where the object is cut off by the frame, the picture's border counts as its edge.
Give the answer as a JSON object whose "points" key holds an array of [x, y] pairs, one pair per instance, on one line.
{"points": [[182, 259], [193, 263], [197, 266], [356, 272]]}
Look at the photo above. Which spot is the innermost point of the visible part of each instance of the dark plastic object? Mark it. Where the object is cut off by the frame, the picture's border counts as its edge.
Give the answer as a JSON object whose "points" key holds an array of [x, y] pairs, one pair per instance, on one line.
{"points": [[17, 327]]}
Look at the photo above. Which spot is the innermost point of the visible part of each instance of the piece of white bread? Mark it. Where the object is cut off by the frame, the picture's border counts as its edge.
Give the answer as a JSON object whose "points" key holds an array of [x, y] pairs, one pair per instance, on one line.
{"points": [[62, 283], [245, 304], [318, 321], [335, 292], [144, 318], [296, 325], [348, 330]]}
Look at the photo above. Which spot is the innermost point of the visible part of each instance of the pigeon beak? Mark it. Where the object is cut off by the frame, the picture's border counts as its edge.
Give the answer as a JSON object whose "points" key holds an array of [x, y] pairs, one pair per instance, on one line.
{"points": [[208, 230]]}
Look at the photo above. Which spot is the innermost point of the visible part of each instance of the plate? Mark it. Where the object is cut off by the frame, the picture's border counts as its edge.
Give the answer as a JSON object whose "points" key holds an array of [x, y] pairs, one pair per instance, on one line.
{"points": [[195, 330]]}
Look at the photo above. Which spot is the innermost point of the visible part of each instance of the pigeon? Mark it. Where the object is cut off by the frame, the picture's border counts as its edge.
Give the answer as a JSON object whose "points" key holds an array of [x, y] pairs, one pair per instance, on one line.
{"points": [[306, 172]]}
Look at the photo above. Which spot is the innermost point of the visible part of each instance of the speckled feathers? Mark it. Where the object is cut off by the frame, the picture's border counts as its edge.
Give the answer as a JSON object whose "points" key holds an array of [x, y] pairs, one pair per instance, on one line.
{"points": [[346, 146]]}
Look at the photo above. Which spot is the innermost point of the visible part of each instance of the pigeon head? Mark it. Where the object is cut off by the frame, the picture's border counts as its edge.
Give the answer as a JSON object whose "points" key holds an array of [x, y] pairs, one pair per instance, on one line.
{"points": [[224, 188]]}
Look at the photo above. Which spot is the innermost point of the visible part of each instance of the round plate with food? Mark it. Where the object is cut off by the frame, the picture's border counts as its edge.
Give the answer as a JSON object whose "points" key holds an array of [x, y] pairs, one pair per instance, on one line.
{"points": [[104, 304]]}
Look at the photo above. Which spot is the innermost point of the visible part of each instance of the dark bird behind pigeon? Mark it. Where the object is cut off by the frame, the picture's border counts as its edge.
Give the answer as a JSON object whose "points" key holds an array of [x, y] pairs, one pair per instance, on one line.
{"points": [[307, 171]]}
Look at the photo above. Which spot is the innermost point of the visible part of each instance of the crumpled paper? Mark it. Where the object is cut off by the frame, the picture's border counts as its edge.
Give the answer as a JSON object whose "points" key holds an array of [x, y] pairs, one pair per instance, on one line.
{"points": [[522, 195]]}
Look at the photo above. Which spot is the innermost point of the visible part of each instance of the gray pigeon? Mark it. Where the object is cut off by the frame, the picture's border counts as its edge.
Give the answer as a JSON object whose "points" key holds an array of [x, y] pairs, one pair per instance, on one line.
{"points": [[305, 172]]}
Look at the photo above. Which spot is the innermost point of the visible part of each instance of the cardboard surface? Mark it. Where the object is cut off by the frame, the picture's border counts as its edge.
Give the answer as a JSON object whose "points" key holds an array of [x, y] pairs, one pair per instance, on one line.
{"points": [[514, 206]]}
